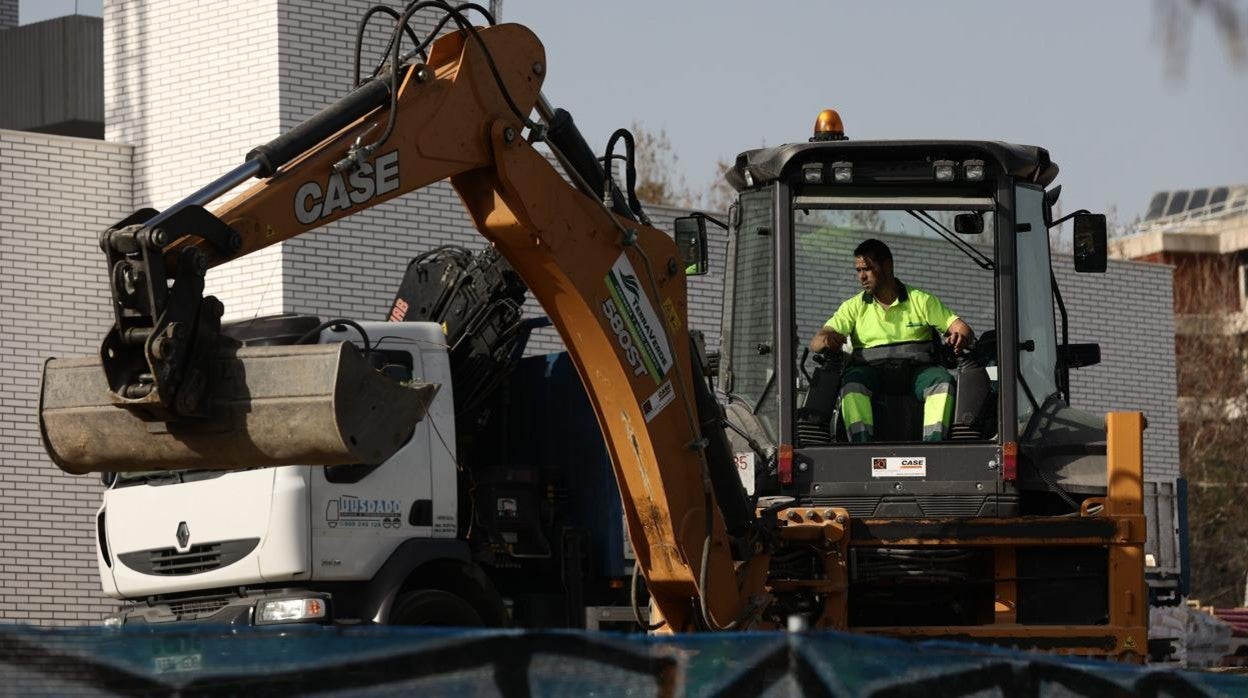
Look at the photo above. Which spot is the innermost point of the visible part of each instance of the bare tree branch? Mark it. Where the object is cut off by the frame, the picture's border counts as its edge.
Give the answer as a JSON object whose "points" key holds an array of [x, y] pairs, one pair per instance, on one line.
{"points": [[1174, 27]]}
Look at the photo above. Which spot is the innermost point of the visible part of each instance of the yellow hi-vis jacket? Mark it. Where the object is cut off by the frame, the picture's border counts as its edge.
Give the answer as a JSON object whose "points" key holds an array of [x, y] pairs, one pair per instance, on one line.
{"points": [[903, 331]]}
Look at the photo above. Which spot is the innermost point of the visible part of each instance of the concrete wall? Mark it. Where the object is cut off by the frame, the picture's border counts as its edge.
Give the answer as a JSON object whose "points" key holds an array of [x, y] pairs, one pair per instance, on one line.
{"points": [[56, 194], [59, 87]]}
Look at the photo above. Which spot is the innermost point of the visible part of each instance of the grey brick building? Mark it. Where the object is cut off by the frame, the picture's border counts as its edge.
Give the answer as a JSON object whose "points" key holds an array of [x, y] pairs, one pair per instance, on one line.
{"points": [[189, 88]]}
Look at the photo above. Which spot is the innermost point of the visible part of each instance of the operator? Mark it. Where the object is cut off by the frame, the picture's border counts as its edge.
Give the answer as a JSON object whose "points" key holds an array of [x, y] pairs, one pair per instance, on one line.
{"points": [[890, 326]]}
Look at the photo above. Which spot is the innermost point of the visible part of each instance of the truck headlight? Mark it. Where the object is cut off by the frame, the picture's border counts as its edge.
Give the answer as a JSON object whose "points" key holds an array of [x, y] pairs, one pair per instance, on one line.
{"points": [[944, 170], [112, 622], [290, 610]]}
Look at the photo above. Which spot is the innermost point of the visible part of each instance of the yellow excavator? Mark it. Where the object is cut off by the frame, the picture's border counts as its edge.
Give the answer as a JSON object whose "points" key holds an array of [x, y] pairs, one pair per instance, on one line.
{"points": [[1048, 555]]}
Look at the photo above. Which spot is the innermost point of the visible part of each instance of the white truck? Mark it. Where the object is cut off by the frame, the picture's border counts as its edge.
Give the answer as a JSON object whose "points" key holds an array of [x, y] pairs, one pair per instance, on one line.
{"points": [[476, 521]]}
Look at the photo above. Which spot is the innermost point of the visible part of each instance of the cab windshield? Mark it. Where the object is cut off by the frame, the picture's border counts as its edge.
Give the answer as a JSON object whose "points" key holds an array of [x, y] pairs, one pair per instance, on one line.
{"points": [[928, 254]]}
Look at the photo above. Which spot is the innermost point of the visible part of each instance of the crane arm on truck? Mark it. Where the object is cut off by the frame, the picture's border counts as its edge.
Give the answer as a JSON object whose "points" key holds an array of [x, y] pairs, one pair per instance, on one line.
{"points": [[613, 286]]}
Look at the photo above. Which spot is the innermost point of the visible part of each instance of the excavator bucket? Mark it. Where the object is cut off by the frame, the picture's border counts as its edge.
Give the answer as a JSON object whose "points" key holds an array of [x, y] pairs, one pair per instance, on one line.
{"points": [[282, 405]]}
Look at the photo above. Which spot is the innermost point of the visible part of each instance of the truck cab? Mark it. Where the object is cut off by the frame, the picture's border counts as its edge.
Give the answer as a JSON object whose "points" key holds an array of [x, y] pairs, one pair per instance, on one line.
{"points": [[491, 514], [179, 535]]}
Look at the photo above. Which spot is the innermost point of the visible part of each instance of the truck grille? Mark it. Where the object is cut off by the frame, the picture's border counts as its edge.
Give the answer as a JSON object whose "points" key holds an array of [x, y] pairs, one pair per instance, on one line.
{"points": [[204, 557], [195, 609]]}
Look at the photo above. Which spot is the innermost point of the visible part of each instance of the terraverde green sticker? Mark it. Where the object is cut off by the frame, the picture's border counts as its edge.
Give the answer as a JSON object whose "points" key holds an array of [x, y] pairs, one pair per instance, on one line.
{"points": [[637, 327]]}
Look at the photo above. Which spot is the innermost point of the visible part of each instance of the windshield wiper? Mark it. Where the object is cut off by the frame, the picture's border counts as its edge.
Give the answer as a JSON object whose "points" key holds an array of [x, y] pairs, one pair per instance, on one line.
{"points": [[975, 255]]}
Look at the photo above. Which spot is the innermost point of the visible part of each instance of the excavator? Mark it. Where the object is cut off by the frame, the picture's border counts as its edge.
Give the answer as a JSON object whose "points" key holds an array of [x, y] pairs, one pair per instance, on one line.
{"points": [[837, 535]]}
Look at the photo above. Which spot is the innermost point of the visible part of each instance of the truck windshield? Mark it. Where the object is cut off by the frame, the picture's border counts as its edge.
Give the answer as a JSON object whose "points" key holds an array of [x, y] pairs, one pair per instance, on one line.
{"points": [[167, 477]]}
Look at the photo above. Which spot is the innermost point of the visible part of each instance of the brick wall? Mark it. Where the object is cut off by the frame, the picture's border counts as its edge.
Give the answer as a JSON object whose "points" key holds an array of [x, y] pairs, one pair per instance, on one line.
{"points": [[8, 14], [353, 267], [193, 86], [56, 194], [1128, 311]]}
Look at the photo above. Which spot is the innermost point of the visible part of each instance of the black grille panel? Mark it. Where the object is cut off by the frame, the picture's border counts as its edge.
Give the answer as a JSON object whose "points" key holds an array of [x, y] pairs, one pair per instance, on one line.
{"points": [[195, 609], [935, 506], [859, 507], [204, 557], [931, 506]]}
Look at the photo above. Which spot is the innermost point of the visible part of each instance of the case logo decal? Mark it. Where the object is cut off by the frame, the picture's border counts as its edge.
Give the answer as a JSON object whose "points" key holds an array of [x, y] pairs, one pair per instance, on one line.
{"points": [[370, 180]]}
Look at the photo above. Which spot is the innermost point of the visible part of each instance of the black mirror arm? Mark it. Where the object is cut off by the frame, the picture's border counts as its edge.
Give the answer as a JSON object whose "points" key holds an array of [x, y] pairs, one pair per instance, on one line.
{"points": [[1067, 217], [713, 219], [1063, 375]]}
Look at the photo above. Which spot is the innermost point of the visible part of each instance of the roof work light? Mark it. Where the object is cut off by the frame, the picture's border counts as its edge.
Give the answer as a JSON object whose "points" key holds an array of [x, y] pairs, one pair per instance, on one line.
{"points": [[842, 172]]}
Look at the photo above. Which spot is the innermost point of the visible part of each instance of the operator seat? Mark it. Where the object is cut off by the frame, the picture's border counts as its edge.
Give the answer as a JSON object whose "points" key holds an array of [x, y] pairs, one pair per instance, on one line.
{"points": [[898, 414]]}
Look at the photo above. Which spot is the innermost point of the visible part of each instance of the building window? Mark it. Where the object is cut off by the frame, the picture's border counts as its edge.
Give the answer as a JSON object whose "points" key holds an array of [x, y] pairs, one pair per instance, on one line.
{"points": [[1243, 286]]}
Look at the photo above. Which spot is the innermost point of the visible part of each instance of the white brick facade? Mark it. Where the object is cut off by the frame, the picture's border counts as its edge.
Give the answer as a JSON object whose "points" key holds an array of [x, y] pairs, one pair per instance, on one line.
{"points": [[56, 194], [194, 86]]}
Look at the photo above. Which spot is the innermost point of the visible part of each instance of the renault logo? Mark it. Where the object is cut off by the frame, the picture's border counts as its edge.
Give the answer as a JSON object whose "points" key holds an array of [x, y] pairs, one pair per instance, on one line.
{"points": [[184, 535]]}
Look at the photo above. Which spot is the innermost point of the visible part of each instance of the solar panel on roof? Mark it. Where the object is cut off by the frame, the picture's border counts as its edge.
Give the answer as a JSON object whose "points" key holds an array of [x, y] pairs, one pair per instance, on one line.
{"points": [[1177, 202], [1199, 198], [1219, 195], [1157, 206]]}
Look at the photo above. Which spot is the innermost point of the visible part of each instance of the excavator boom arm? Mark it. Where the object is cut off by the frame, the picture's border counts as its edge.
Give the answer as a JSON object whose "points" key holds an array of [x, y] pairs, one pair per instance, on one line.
{"points": [[615, 289]]}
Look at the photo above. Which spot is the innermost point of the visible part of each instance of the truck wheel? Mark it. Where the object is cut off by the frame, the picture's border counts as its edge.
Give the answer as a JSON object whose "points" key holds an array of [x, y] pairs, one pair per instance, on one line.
{"points": [[434, 607]]}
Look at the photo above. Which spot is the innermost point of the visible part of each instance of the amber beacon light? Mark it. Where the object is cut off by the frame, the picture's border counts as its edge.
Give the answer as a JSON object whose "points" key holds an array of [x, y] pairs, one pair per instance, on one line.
{"points": [[828, 127]]}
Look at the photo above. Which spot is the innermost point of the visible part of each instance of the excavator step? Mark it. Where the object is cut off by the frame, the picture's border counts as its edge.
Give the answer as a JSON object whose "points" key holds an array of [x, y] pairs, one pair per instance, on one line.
{"points": [[272, 405]]}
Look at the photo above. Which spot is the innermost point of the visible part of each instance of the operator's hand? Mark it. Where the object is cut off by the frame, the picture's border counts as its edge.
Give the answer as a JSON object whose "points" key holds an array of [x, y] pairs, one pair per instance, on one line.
{"points": [[825, 338], [960, 335]]}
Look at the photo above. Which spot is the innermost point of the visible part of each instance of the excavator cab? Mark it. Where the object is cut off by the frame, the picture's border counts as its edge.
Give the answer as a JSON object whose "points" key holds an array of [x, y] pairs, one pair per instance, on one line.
{"points": [[944, 209], [968, 222]]}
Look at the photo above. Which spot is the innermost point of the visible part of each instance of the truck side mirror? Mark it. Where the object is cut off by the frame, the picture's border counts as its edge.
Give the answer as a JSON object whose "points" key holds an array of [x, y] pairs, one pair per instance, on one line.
{"points": [[968, 223], [691, 241], [1091, 248]]}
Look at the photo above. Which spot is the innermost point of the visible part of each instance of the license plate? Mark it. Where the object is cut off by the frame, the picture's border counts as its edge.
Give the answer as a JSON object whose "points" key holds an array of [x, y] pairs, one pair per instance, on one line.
{"points": [[174, 663]]}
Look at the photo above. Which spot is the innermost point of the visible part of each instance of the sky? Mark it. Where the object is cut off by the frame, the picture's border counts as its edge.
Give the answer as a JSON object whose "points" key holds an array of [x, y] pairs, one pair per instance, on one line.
{"points": [[1086, 80]]}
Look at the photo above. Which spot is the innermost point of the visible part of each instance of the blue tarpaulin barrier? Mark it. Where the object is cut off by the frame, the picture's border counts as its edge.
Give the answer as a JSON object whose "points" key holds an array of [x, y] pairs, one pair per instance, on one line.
{"points": [[379, 661]]}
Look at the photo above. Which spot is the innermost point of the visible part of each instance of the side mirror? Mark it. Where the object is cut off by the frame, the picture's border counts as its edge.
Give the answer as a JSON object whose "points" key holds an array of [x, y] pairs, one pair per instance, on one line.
{"points": [[1091, 248], [968, 223], [691, 241], [1079, 355]]}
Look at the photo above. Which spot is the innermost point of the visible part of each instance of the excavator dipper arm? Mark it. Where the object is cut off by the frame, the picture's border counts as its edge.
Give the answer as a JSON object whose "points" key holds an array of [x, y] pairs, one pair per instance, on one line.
{"points": [[615, 289]]}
